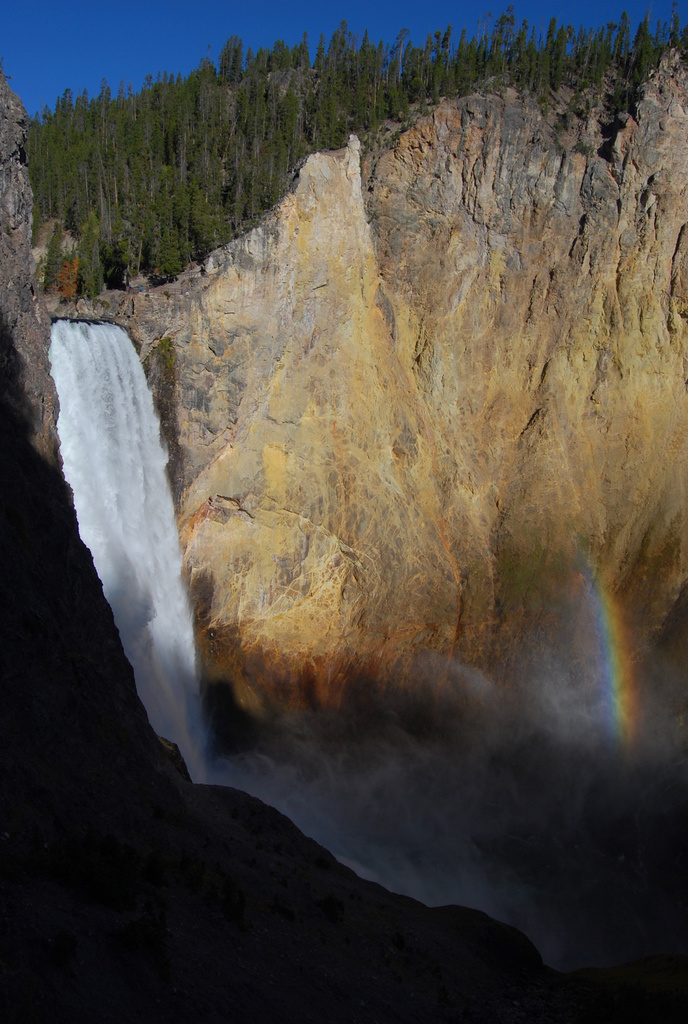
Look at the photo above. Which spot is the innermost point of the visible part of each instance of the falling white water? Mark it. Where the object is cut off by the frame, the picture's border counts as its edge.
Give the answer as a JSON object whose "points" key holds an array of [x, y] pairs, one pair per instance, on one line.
{"points": [[115, 463]]}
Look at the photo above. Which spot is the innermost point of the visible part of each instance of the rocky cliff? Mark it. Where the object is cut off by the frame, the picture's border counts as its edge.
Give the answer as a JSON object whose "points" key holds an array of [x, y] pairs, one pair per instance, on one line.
{"points": [[549, 339], [24, 372], [126, 893], [429, 416]]}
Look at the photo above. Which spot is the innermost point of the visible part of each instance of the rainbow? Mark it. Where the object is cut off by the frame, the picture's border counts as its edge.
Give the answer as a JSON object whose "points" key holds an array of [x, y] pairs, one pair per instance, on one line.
{"points": [[617, 677]]}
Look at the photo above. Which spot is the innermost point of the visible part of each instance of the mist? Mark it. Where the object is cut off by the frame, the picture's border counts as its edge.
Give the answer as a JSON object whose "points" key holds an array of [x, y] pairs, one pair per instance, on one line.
{"points": [[514, 801]]}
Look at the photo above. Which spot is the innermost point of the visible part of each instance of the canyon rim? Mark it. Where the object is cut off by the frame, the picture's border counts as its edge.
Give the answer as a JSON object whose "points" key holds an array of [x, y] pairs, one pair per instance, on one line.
{"points": [[435, 403]]}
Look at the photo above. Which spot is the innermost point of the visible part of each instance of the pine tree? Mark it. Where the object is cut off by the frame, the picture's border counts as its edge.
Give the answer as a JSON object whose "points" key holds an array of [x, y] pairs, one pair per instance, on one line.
{"points": [[53, 258], [147, 181], [89, 265]]}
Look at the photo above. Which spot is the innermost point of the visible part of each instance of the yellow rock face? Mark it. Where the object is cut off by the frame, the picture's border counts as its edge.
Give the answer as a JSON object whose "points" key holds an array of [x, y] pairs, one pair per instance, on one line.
{"points": [[548, 340], [417, 424], [317, 530]]}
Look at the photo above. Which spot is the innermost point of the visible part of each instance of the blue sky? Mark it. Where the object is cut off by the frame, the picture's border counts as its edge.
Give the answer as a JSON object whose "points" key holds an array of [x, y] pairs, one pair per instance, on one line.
{"points": [[47, 46]]}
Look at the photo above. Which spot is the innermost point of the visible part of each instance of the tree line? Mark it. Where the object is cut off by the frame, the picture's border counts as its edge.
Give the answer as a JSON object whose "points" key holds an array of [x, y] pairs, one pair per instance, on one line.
{"points": [[148, 181]]}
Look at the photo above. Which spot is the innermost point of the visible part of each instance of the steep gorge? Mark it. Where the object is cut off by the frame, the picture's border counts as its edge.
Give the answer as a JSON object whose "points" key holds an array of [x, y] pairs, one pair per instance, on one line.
{"points": [[127, 893], [411, 417], [526, 811]]}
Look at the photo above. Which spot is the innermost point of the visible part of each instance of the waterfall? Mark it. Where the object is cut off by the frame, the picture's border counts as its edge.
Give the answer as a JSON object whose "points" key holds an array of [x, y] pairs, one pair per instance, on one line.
{"points": [[115, 462]]}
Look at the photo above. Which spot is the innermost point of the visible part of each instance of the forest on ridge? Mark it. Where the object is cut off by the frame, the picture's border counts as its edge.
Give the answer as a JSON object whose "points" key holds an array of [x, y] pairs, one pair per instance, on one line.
{"points": [[146, 182]]}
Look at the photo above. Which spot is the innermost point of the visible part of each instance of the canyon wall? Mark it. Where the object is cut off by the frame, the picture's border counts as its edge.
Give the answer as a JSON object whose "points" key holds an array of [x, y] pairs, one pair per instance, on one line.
{"points": [[416, 421], [126, 892], [25, 382]]}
